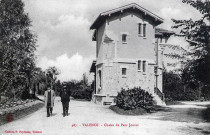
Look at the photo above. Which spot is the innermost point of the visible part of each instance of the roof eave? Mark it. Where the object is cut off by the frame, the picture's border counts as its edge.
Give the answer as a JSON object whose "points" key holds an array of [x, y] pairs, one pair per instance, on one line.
{"points": [[134, 5], [94, 25], [157, 19]]}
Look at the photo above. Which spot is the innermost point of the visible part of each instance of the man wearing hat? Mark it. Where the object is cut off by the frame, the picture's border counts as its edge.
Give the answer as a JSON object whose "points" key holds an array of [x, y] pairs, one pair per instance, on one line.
{"points": [[49, 97], [65, 99]]}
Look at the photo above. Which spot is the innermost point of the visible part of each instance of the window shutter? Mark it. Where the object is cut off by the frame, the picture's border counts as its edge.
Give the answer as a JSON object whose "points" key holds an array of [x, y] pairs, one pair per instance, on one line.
{"points": [[139, 28], [139, 64], [144, 66], [144, 30]]}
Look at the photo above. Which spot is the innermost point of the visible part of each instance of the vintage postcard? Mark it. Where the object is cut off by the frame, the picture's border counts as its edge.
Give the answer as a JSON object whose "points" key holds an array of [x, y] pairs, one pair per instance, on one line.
{"points": [[95, 67]]}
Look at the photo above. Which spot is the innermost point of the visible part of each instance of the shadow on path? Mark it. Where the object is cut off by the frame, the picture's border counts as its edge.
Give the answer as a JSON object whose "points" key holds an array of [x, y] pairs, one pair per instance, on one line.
{"points": [[195, 115]]}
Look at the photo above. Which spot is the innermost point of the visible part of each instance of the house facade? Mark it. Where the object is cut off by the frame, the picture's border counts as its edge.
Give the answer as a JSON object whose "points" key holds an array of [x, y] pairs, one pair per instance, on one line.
{"points": [[128, 53]]}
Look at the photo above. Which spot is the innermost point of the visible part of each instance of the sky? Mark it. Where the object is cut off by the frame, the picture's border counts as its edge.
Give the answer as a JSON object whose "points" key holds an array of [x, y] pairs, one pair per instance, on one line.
{"points": [[63, 32]]}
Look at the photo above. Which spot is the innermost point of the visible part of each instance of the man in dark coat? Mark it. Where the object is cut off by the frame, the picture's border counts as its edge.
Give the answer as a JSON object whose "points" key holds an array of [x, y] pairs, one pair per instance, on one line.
{"points": [[65, 99]]}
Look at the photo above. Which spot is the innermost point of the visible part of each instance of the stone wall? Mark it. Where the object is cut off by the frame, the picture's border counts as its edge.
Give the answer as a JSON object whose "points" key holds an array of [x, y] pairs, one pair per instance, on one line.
{"points": [[114, 81]]}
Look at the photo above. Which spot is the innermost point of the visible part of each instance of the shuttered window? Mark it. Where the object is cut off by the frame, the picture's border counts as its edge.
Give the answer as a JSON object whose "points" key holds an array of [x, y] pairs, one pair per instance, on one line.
{"points": [[139, 65], [124, 71], [144, 30], [144, 66], [139, 28], [124, 38]]}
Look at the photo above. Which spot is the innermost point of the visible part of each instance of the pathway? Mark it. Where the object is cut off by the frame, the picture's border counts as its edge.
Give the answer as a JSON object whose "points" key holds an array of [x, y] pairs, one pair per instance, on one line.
{"points": [[82, 112]]}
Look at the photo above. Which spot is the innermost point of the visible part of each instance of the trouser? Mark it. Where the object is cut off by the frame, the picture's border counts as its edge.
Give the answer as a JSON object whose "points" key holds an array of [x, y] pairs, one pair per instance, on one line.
{"points": [[65, 108], [49, 110]]}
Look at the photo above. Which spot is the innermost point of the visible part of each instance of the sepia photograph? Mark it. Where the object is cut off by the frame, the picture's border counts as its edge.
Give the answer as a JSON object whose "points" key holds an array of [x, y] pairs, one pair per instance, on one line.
{"points": [[96, 67]]}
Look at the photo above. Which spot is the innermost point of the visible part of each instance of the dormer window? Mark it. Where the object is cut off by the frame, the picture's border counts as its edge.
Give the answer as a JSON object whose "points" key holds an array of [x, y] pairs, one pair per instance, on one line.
{"points": [[124, 38]]}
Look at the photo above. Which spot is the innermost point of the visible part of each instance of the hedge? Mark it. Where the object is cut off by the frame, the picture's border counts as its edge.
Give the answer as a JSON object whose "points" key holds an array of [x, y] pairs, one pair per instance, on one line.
{"points": [[82, 94]]}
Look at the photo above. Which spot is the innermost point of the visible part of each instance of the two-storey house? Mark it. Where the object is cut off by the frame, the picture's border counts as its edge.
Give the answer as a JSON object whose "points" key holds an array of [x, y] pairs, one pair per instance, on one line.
{"points": [[127, 52]]}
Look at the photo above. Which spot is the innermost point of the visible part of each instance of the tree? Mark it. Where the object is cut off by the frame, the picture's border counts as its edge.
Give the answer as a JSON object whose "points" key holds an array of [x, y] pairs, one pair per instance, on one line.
{"points": [[178, 87], [17, 47], [58, 87], [197, 34], [84, 80], [38, 77], [51, 74]]}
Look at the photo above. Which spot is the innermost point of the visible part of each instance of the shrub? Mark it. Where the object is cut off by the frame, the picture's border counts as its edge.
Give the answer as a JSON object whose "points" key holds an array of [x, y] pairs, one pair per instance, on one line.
{"points": [[134, 98], [206, 92], [175, 89], [25, 95], [206, 114], [82, 94]]}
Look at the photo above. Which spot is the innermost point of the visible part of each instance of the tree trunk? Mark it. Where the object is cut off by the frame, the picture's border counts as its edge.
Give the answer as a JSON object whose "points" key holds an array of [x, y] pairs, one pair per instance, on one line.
{"points": [[34, 90], [38, 87], [29, 84]]}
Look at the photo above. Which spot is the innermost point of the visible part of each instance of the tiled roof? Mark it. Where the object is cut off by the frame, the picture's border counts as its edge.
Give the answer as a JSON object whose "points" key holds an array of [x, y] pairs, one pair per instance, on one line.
{"points": [[160, 30], [163, 32]]}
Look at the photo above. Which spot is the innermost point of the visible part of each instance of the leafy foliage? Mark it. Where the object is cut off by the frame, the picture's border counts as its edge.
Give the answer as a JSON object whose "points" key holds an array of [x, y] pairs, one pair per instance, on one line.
{"points": [[206, 92], [51, 74], [85, 93], [17, 46], [82, 94], [134, 98], [19, 74], [197, 34], [80, 89], [176, 88], [58, 87]]}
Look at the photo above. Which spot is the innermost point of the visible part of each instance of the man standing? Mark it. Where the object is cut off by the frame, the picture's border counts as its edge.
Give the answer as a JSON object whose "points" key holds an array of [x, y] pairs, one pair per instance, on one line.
{"points": [[65, 99], [49, 97]]}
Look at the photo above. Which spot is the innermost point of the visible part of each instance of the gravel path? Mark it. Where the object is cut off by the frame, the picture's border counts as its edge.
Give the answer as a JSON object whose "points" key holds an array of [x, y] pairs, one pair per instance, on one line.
{"points": [[83, 113]]}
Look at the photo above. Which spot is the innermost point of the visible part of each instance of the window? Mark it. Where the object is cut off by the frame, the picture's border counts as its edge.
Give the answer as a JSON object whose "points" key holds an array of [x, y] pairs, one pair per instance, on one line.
{"points": [[139, 28], [144, 30], [139, 65], [124, 71], [99, 72], [144, 66], [124, 38]]}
